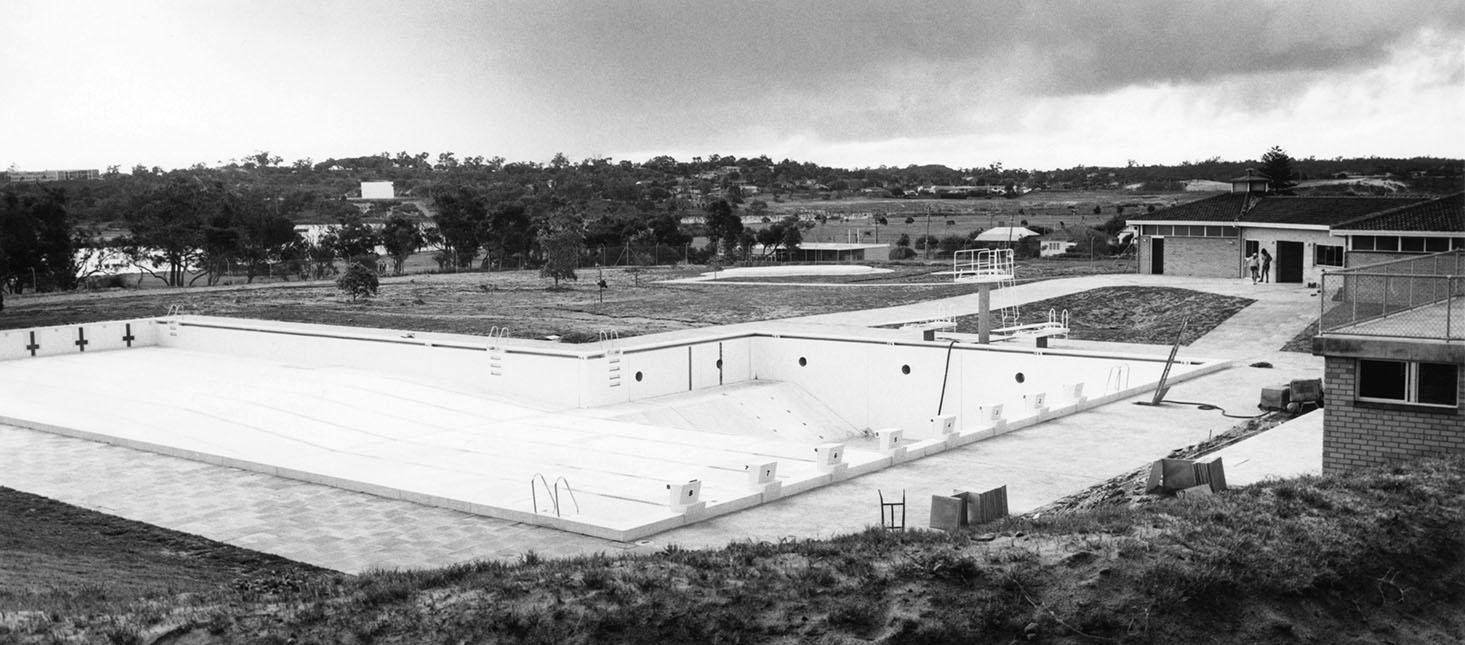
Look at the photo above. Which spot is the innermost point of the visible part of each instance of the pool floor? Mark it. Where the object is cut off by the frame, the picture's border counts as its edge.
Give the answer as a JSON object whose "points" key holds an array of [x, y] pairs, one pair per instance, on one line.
{"points": [[427, 442]]}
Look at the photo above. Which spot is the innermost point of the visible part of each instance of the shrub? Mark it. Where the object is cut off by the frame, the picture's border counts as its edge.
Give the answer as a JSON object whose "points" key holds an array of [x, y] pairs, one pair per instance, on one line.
{"points": [[359, 281], [902, 253]]}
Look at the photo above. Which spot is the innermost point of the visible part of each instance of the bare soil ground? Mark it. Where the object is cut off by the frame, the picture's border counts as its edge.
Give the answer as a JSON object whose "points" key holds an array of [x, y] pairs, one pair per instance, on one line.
{"points": [[914, 272], [473, 303], [1151, 315]]}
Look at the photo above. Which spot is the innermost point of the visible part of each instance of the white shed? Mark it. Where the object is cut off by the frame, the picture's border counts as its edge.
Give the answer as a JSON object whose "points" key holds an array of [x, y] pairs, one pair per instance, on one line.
{"points": [[1005, 234], [377, 190]]}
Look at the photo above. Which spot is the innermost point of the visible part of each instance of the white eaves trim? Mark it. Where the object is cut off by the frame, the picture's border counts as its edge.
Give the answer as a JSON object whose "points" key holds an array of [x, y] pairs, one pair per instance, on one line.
{"points": [[1178, 222], [1298, 227], [1348, 233]]}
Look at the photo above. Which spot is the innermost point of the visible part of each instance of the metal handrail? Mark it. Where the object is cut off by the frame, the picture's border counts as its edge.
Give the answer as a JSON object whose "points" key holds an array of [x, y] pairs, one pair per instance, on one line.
{"points": [[571, 491], [534, 494]]}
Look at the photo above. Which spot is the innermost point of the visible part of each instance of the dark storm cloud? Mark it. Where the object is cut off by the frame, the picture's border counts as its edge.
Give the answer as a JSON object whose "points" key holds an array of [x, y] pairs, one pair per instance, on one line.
{"points": [[851, 70], [1062, 47]]}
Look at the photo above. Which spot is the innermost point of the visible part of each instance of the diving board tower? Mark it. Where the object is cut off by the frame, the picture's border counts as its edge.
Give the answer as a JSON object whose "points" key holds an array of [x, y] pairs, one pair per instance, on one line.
{"points": [[984, 267]]}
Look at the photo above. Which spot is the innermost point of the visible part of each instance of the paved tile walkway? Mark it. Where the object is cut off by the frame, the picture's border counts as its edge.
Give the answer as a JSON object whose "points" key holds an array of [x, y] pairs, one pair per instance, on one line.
{"points": [[355, 532]]}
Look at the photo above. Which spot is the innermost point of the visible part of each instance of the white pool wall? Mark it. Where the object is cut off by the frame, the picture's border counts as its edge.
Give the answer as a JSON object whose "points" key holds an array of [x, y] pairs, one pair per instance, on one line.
{"points": [[862, 378], [62, 339]]}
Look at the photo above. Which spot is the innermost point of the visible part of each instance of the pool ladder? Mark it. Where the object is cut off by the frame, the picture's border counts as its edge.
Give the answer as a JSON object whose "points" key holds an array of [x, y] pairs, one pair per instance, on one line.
{"points": [[1118, 378], [496, 336], [552, 493], [611, 340]]}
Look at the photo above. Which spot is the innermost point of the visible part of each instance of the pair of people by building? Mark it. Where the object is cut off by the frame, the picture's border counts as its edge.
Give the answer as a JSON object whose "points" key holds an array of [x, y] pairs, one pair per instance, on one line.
{"points": [[1260, 266]]}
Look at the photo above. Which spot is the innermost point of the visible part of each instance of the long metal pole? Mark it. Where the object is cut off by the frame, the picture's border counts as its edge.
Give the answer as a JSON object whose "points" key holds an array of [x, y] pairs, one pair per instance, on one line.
{"points": [[984, 313]]}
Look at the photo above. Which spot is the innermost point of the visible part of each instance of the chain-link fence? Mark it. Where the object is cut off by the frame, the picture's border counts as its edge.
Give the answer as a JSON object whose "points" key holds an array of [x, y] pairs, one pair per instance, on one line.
{"points": [[1421, 297]]}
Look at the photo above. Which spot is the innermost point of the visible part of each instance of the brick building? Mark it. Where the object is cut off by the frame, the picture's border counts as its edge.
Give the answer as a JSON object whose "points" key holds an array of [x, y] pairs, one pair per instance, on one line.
{"points": [[1392, 336], [1305, 236]]}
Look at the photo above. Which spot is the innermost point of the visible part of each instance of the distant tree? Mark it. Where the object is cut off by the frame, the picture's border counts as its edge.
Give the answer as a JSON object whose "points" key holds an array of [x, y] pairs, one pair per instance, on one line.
{"points": [[36, 241], [355, 240], [167, 227], [1277, 168], [723, 225], [561, 240], [1098, 210], [905, 240], [910, 220], [401, 238], [461, 218], [359, 281]]}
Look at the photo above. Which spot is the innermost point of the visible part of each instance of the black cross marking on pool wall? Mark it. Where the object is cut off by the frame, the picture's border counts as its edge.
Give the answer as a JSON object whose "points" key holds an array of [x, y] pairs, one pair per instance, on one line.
{"points": [[129, 337], [33, 346], [81, 340]]}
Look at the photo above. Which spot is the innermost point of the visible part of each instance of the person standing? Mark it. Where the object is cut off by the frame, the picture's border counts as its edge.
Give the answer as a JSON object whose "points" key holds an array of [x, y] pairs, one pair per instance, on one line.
{"points": [[1252, 267], [1266, 266]]}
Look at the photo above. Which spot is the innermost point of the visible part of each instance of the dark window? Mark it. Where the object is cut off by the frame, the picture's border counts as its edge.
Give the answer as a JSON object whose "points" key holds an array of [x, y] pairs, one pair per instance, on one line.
{"points": [[1439, 383], [1385, 243], [1362, 242], [1459, 242], [1215, 231], [1407, 382], [1164, 230], [1383, 380], [1329, 256], [1436, 244], [1251, 247], [1411, 244]]}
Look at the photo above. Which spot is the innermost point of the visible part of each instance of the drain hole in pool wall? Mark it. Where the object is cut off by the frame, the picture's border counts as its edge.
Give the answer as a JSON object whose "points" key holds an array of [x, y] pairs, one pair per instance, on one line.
{"points": [[905, 369], [638, 377], [803, 361], [719, 363], [1020, 378]]}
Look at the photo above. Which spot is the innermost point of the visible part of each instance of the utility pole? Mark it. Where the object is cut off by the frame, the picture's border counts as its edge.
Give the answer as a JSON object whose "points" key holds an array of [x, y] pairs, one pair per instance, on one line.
{"points": [[927, 241]]}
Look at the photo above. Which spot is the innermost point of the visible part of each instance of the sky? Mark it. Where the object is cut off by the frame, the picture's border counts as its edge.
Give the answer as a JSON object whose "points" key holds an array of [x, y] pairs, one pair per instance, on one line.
{"points": [[966, 83]]}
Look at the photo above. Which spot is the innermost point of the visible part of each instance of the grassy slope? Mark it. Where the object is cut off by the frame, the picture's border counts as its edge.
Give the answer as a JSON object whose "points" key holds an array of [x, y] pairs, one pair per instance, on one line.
{"points": [[1371, 558]]}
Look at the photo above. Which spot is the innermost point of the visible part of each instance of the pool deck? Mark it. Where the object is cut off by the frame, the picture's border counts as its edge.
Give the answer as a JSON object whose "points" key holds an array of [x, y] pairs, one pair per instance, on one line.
{"points": [[353, 531]]}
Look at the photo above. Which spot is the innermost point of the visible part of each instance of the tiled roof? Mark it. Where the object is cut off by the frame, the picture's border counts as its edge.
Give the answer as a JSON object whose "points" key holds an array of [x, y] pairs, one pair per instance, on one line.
{"points": [[1445, 215], [1221, 208], [1284, 209], [1320, 211]]}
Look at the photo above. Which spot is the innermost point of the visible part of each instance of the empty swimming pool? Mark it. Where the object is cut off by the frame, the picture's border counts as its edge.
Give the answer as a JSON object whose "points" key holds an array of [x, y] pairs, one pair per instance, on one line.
{"points": [[619, 439]]}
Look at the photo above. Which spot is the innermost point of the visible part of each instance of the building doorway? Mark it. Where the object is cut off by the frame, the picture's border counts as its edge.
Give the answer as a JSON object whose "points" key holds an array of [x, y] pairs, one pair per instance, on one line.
{"points": [[1289, 261], [1157, 255]]}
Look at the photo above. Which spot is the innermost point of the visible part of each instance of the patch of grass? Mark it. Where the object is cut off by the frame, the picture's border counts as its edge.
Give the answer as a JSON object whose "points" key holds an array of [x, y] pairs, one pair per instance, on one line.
{"points": [[1302, 342], [1330, 557], [1148, 315]]}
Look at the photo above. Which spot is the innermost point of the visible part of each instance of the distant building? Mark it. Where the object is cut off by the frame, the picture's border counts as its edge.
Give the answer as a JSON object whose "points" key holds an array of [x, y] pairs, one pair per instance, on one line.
{"points": [[829, 252], [377, 190], [1305, 236], [46, 176], [1005, 234], [1249, 183]]}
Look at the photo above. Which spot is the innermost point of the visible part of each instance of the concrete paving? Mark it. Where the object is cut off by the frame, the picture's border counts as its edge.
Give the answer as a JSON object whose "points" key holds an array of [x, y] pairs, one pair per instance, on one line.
{"points": [[1292, 449], [353, 532]]}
